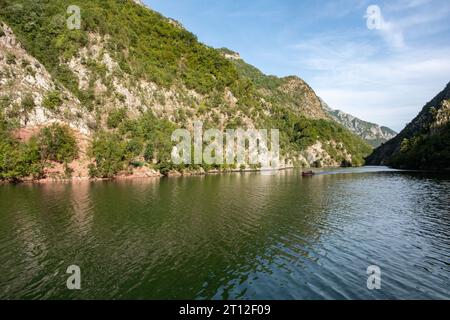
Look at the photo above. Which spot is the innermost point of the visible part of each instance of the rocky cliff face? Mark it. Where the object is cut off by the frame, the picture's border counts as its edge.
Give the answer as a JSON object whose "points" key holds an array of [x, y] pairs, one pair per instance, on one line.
{"points": [[373, 133], [424, 143], [25, 83], [141, 80], [303, 97]]}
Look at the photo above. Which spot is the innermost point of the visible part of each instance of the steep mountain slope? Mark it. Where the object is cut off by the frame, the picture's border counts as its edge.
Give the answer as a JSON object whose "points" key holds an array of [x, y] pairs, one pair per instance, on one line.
{"points": [[125, 81], [374, 134], [291, 92], [424, 143], [296, 96]]}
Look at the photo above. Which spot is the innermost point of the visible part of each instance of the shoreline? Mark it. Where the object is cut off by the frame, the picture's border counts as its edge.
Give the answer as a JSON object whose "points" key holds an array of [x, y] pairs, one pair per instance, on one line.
{"points": [[173, 174], [177, 174]]}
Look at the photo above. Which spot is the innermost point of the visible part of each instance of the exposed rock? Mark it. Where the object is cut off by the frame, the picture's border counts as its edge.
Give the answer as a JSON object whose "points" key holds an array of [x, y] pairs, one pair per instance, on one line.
{"points": [[371, 132], [317, 156], [21, 75], [305, 99], [102, 76], [230, 54]]}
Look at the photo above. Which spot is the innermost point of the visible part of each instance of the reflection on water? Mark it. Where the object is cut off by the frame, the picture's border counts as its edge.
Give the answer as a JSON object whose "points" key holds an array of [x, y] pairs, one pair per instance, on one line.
{"points": [[231, 236]]}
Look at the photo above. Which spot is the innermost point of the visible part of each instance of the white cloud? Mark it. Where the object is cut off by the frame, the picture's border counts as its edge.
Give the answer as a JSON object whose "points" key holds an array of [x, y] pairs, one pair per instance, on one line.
{"points": [[355, 72], [387, 89], [402, 5], [393, 35], [403, 23]]}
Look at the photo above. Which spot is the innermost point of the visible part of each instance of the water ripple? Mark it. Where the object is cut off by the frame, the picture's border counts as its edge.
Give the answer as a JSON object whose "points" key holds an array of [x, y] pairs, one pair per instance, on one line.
{"points": [[241, 236]]}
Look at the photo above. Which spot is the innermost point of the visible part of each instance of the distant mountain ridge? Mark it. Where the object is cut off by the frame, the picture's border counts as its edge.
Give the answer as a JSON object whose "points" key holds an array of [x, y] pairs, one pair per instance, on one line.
{"points": [[373, 133], [424, 143]]}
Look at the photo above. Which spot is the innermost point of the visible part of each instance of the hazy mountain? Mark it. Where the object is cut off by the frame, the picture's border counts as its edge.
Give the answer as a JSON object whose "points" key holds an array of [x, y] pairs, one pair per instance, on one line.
{"points": [[374, 134]]}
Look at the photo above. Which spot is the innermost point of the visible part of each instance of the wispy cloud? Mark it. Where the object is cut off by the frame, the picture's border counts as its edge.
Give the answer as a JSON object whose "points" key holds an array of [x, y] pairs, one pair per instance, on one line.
{"points": [[381, 83], [393, 35], [401, 5], [400, 20]]}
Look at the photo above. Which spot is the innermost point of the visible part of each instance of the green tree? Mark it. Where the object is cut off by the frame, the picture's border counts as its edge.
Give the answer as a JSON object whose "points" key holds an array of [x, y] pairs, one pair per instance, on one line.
{"points": [[109, 152], [57, 143]]}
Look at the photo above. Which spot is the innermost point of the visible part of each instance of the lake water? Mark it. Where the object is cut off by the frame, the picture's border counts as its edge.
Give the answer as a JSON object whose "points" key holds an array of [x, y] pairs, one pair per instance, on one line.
{"points": [[232, 236]]}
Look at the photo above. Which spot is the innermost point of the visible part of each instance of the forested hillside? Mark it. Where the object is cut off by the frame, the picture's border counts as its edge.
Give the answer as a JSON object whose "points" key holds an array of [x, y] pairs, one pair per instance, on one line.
{"points": [[424, 143], [114, 90]]}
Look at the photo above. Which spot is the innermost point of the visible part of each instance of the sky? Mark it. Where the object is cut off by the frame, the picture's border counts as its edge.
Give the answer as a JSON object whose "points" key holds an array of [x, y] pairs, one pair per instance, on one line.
{"points": [[381, 61]]}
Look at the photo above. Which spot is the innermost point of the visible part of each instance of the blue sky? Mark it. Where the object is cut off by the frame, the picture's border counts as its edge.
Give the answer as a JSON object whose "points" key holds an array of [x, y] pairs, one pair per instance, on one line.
{"points": [[383, 75]]}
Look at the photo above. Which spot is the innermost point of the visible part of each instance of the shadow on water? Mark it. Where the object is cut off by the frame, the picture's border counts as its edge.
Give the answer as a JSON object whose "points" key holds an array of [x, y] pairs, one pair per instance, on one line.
{"points": [[230, 236]]}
